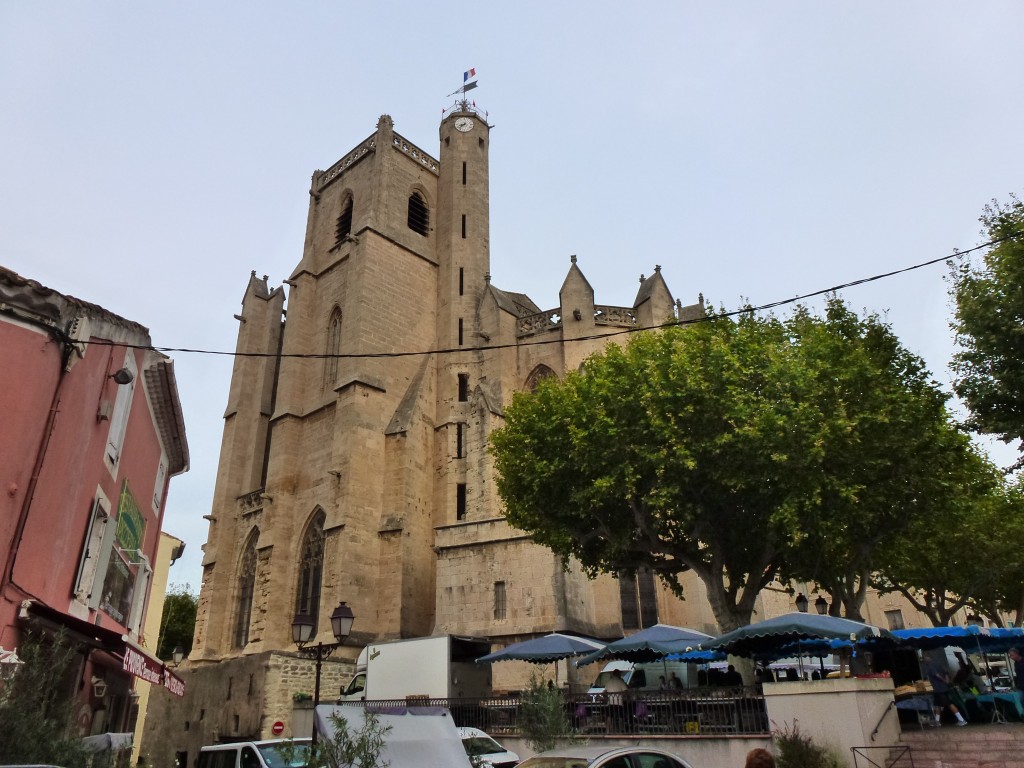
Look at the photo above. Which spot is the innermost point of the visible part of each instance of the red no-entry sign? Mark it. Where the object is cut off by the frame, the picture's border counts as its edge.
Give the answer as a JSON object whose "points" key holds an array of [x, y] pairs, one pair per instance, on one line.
{"points": [[277, 728]]}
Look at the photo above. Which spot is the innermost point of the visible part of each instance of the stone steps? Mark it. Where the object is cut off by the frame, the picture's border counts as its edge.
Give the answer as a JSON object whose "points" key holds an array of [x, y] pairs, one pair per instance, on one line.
{"points": [[976, 746]]}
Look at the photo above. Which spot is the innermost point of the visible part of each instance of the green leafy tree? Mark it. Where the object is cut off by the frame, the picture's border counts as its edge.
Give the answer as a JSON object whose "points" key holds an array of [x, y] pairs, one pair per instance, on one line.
{"points": [[886, 462], [1002, 544], [954, 555], [37, 706], [353, 748], [543, 719], [345, 748], [178, 621], [989, 326], [718, 447]]}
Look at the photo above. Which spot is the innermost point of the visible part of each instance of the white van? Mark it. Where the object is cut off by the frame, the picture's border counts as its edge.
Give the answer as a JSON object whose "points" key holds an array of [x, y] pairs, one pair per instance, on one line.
{"points": [[270, 753], [646, 676], [486, 751]]}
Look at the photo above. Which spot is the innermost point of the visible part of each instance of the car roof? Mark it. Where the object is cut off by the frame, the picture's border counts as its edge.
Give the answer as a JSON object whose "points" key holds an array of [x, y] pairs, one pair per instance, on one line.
{"points": [[592, 752]]}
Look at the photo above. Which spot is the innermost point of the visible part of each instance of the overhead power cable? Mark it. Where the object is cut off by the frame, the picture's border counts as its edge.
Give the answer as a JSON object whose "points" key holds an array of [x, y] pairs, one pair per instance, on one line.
{"points": [[540, 342]]}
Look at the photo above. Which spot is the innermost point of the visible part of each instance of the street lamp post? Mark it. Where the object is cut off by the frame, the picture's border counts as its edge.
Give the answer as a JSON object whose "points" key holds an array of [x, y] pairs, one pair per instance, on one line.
{"points": [[302, 633]]}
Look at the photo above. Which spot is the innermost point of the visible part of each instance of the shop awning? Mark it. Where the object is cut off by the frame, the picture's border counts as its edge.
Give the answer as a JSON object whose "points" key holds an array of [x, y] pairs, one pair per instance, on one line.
{"points": [[135, 659]]}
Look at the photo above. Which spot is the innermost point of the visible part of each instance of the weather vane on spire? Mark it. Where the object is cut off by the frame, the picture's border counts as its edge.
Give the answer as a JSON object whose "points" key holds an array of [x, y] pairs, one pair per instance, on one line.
{"points": [[468, 83]]}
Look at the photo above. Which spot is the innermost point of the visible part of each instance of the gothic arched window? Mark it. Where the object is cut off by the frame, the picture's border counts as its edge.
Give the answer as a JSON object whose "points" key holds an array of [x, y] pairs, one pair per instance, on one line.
{"points": [[332, 350], [344, 222], [538, 374], [419, 215], [311, 569], [246, 588]]}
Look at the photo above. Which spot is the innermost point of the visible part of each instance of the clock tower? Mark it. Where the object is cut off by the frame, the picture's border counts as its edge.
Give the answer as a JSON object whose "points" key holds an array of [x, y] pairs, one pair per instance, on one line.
{"points": [[463, 234]]}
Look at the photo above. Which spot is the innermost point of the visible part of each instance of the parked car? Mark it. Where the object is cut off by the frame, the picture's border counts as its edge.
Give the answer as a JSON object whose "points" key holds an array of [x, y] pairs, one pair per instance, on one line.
{"points": [[269, 753], [486, 750], [605, 757]]}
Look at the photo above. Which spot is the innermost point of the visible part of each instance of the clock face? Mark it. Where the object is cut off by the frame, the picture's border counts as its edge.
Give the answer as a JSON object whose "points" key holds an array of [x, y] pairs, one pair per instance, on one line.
{"points": [[463, 124]]}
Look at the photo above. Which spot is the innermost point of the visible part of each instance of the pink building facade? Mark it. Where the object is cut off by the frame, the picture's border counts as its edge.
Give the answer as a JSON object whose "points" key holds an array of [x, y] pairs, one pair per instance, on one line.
{"points": [[91, 431]]}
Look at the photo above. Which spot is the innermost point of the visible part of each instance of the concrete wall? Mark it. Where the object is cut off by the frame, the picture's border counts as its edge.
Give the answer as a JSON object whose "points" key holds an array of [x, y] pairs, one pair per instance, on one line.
{"points": [[840, 713]]}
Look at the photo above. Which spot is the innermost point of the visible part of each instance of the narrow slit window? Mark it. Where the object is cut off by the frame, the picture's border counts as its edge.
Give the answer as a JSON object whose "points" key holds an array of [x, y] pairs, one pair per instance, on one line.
{"points": [[462, 281], [333, 349], [463, 174], [463, 387], [460, 501], [500, 600], [460, 331], [460, 440], [463, 226], [419, 215]]}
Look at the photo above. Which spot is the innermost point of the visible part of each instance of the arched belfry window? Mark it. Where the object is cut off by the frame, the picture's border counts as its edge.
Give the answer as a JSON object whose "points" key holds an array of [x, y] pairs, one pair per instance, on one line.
{"points": [[344, 227], [246, 588], [332, 350], [419, 215], [537, 375], [311, 569]]}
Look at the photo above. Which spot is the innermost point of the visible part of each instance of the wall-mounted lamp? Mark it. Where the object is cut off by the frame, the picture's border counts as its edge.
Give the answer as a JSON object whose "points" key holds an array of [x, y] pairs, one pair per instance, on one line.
{"points": [[178, 655], [821, 605], [123, 376], [99, 687], [801, 602]]}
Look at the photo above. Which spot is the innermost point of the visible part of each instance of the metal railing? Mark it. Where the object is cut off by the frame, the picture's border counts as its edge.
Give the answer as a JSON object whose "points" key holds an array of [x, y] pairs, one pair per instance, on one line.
{"points": [[689, 712]]}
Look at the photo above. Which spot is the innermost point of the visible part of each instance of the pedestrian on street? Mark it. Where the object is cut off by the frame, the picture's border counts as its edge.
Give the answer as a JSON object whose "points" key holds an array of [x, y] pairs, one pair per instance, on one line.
{"points": [[759, 758], [938, 676]]}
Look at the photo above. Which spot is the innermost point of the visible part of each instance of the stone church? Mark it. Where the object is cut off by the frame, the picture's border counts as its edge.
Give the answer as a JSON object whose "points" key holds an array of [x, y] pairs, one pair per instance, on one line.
{"points": [[354, 463]]}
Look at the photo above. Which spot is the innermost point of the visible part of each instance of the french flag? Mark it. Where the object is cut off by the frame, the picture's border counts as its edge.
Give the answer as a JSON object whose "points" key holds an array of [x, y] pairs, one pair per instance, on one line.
{"points": [[468, 74]]}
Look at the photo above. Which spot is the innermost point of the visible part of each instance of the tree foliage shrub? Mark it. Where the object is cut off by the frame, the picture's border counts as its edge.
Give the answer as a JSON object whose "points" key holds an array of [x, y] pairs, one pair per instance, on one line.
{"points": [[543, 720], [37, 706], [797, 750]]}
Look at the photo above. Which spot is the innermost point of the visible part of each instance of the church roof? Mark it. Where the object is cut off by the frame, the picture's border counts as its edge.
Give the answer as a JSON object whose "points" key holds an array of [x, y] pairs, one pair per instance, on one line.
{"points": [[648, 285], [518, 304]]}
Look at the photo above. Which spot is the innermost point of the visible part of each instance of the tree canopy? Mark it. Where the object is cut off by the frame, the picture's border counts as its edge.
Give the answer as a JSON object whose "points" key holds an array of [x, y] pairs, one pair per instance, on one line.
{"points": [[958, 553], [989, 326], [726, 447], [178, 622]]}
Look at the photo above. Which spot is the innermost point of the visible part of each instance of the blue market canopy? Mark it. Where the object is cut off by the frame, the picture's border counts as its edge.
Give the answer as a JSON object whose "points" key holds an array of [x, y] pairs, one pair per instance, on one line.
{"points": [[785, 634], [984, 639], [698, 657], [649, 644], [544, 650]]}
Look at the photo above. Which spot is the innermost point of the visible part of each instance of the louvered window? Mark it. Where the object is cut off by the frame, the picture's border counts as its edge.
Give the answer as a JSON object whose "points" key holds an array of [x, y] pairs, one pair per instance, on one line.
{"points": [[419, 216], [344, 227]]}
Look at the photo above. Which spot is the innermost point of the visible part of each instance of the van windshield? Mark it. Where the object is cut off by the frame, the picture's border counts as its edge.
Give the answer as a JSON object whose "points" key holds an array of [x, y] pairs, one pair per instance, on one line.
{"points": [[287, 754], [481, 745]]}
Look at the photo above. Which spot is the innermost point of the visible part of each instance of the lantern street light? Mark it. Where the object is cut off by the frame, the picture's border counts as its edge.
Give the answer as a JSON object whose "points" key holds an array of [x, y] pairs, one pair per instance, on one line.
{"points": [[178, 655], [801, 603], [302, 633], [821, 605]]}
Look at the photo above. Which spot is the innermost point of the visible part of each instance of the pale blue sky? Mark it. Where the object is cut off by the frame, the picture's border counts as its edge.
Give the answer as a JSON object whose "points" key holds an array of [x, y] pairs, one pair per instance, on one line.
{"points": [[151, 155]]}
